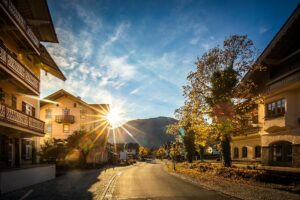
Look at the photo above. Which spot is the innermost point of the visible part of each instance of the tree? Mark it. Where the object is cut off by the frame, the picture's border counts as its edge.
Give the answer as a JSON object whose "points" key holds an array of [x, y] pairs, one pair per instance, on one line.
{"points": [[143, 152], [53, 150], [83, 142], [216, 96], [161, 152]]}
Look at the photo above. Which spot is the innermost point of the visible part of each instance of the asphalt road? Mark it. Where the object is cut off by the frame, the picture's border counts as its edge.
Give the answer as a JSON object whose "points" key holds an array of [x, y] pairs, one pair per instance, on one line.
{"points": [[149, 181]]}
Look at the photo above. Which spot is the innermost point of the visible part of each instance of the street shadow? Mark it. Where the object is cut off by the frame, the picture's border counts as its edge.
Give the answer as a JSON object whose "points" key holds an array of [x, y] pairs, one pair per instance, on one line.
{"points": [[75, 184]]}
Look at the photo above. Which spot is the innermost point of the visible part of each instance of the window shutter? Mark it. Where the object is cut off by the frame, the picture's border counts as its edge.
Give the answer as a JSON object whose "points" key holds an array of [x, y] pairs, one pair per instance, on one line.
{"points": [[23, 107], [33, 111]]}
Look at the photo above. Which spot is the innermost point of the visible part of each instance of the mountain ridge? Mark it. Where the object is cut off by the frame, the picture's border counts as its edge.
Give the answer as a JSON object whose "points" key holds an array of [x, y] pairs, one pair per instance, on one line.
{"points": [[149, 132]]}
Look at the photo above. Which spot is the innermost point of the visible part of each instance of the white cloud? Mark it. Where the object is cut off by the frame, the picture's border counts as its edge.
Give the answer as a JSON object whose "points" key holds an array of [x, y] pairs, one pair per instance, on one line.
{"points": [[135, 91], [263, 29]]}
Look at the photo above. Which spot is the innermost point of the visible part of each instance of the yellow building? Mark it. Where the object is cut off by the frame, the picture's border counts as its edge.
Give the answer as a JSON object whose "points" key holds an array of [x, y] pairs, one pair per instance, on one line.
{"points": [[65, 113], [277, 140], [24, 24]]}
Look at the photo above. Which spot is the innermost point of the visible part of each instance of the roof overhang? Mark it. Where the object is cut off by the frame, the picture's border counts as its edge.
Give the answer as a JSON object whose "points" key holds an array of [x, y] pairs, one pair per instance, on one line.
{"points": [[49, 65], [38, 16], [261, 60]]}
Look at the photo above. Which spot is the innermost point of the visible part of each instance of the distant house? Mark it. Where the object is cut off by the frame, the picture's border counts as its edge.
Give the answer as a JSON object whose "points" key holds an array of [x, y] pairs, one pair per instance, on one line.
{"points": [[65, 113], [274, 136], [125, 151]]}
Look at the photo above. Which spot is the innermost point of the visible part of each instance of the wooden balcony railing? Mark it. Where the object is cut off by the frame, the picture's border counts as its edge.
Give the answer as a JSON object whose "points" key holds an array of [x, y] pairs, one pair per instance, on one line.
{"points": [[19, 119], [13, 66], [20, 21], [284, 80], [68, 119]]}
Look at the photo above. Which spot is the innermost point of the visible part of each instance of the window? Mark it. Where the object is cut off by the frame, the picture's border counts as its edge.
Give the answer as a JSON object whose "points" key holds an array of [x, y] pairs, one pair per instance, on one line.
{"points": [[14, 101], [236, 152], [244, 152], [48, 114], [75, 105], [28, 151], [66, 111], [66, 128], [48, 128], [28, 109], [257, 151], [276, 108], [82, 114]]}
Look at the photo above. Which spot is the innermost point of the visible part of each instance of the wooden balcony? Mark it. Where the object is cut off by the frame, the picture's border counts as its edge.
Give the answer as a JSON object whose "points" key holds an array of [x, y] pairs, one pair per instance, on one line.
{"points": [[284, 80], [17, 19], [11, 65], [65, 119], [15, 119]]}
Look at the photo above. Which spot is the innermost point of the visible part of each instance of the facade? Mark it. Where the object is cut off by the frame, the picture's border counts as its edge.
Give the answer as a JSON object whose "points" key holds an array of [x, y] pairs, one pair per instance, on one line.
{"points": [[277, 140], [22, 57], [64, 113], [24, 25]]}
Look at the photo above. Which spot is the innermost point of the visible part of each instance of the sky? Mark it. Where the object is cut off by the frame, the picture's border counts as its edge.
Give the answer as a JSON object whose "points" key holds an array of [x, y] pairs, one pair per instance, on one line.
{"points": [[136, 54]]}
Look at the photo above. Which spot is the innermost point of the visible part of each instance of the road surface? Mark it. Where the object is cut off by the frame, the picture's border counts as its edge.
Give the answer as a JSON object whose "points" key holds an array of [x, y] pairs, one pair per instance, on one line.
{"points": [[142, 181], [149, 181]]}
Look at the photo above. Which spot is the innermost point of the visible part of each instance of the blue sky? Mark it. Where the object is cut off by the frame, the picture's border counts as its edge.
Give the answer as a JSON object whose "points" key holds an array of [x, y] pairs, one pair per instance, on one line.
{"points": [[136, 54]]}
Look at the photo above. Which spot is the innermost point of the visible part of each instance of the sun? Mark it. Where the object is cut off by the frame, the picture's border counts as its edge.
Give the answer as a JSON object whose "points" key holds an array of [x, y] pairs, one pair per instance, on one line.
{"points": [[114, 117]]}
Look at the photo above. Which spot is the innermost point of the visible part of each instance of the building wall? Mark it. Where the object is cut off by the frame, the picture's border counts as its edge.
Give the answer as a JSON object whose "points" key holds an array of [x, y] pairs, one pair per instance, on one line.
{"points": [[250, 142], [276, 129], [87, 121]]}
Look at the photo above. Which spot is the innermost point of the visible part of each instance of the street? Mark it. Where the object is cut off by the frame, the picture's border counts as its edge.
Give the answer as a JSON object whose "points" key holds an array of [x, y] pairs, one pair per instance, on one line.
{"points": [[148, 180], [144, 180]]}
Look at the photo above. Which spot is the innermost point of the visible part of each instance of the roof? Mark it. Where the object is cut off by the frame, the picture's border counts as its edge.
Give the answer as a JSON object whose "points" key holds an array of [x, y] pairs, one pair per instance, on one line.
{"points": [[60, 93], [49, 65], [279, 35], [37, 15]]}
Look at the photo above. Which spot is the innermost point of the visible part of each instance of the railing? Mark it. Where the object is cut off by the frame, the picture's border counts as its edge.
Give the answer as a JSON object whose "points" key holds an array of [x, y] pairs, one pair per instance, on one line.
{"points": [[68, 119], [10, 7], [10, 61], [15, 117]]}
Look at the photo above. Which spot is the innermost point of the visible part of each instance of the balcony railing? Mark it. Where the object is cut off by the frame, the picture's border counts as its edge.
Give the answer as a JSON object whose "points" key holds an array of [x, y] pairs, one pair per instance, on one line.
{"points": [[66, 119], [284, 80], [15, 67], [19, 119], [17, 17]]}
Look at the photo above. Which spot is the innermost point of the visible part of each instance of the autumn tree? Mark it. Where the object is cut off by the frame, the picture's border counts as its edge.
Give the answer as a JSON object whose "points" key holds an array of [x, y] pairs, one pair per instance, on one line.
{"points": [[143, 152], [161, 152], [216, 96]]}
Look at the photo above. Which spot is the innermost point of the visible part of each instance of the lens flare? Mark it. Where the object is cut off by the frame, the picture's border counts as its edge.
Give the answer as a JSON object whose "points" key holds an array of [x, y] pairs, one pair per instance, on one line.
{"points": [[114, 117]]}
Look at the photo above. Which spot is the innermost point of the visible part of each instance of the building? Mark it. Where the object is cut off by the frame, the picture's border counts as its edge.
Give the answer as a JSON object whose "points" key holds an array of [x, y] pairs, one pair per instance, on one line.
{"points": [[24, 25], [64, 113], [276, 141]]}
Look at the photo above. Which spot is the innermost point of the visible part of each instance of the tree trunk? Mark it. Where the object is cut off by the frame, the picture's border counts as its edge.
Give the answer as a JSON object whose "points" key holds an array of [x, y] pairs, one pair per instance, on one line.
{"points": [[201, 153], [226, 157], [83, 158]]}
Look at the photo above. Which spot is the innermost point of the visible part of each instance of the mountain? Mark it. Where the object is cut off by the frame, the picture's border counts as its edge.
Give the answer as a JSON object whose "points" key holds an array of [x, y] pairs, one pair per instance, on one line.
{"points": [[150, 132]]}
